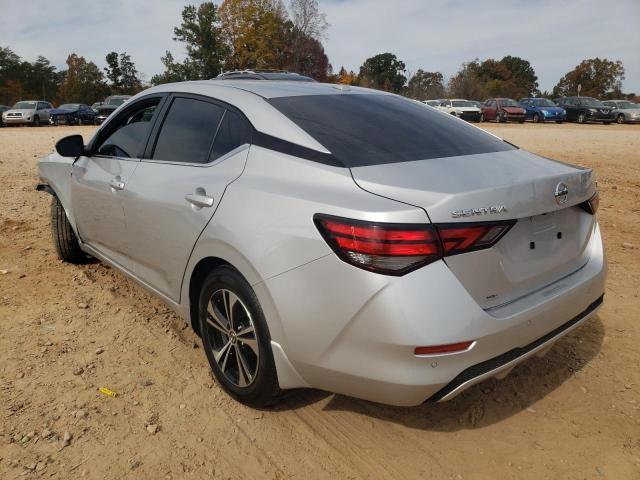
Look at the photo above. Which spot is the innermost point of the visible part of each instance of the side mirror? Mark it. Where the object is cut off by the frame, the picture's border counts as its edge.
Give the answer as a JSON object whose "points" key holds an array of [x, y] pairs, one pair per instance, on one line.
{"points": [[71, 146]]}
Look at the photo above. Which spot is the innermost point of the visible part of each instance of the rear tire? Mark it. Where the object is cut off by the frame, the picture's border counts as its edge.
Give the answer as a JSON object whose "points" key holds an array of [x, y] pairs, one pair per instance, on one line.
{"points": [[241, 362], [64, 238], [36, 121]]}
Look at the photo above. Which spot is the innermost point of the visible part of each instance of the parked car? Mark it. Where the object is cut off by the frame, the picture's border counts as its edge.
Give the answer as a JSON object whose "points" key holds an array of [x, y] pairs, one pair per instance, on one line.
{"points": [[95, 106], [541, 110], [476, 103], [586, 109], [109, 106], [72, 114], [347, 240], [624, 110], [28, 112], [502, 110], [461, 108], [3, 108], [263, 75], [432, 103]]}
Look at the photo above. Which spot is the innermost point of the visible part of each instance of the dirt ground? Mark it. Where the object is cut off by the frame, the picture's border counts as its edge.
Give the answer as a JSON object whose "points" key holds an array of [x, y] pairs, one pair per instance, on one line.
{"points": [[66, 331]]}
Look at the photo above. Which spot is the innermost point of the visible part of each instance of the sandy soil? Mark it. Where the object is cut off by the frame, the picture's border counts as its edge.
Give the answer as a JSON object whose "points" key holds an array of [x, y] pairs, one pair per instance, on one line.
{"points": [[68, 330]]}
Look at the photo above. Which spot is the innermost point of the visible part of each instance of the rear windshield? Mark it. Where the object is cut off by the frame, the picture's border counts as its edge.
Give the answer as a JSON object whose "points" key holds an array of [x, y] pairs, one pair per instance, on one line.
{"points": [[374, 129]]}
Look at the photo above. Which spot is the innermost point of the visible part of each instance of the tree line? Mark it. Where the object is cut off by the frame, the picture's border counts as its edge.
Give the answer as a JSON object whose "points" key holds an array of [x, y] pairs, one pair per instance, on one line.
{"points": [[266, 34]]}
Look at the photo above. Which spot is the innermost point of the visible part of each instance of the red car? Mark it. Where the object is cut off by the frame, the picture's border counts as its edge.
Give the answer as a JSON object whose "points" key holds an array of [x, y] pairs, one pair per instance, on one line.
{"points": [[502, 110]]}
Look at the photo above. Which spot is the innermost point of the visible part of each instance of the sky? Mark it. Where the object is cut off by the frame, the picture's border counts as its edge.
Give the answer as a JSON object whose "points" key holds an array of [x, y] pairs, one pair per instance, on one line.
{"points": [[435, 35]]}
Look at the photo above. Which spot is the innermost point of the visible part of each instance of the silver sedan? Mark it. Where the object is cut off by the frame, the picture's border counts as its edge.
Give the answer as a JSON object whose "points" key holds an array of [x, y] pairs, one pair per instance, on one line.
{"points": [[333, 237]]}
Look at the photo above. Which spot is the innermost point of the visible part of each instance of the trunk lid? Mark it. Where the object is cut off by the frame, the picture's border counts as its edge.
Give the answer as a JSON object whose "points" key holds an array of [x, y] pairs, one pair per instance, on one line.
{"points": [[549, 240]]}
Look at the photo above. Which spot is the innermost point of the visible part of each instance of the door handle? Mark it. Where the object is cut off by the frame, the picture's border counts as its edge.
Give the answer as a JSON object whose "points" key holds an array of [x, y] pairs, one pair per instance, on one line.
{"points": [[199, 200], [116, 184]]}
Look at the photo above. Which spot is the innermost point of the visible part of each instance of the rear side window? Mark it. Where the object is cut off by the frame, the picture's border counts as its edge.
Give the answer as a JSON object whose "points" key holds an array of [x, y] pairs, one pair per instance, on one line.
{"points": [[188, 131], [375, 129], [234, 131]]}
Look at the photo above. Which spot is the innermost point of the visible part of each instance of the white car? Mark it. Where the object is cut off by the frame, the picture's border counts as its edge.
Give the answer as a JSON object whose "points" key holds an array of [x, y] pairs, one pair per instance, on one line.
{"points": [[28, 112], [461, 108]]}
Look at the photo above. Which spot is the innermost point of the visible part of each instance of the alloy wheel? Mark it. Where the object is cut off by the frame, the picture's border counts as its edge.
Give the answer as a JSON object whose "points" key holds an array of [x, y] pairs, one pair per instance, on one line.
{"points": [[620, 118], [232, 337]]}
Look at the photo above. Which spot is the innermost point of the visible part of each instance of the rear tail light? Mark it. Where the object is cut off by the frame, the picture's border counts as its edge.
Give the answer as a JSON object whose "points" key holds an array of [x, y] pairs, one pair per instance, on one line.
{"points": [[591, 205], [467, 237], [396, 249]]}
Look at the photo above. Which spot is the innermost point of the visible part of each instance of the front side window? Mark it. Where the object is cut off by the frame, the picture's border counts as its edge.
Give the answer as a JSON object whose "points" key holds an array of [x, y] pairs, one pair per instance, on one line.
{"points": [[188, 131], [128, 136], [374, 129]]}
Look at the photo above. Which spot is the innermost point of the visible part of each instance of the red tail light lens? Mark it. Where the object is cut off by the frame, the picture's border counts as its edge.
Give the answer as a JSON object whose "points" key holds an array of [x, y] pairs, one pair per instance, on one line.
{"points": [[440, 349], [467, 237], [389, 248], [396, 249], [591, 205]]}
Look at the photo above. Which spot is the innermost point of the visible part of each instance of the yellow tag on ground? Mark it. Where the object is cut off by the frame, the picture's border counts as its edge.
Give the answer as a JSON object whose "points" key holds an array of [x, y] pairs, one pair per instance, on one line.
{"points": [[106, 391]]}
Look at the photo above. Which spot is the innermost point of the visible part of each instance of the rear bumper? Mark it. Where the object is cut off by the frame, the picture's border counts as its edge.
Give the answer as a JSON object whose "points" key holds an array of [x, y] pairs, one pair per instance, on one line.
{"points": [[353, 332], [503, 364]]}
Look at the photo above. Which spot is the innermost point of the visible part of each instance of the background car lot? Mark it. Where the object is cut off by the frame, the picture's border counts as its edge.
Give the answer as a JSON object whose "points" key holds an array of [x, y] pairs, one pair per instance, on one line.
{"points": [[573, 414]]}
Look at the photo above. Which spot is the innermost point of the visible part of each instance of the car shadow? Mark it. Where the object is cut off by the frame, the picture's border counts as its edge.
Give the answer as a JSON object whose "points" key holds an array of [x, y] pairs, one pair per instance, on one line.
{"points": [[483, 404]]}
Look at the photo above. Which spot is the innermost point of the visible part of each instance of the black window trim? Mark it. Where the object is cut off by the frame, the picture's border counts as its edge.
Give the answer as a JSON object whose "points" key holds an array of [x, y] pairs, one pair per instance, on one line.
{"points": [[105, 130], [155, 131]]}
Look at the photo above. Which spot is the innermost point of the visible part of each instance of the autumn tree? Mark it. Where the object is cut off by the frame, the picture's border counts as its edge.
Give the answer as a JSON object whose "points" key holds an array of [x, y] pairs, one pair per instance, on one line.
{"points": [[347, 77], [384, 72], [254, 33], [83, 82], [598, 77], [200, 31], [425, 85], [466, 82]]}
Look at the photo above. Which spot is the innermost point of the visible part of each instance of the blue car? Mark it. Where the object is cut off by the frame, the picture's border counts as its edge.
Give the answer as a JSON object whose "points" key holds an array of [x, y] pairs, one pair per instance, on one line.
{"points": [[542, 110], [72, 114]]}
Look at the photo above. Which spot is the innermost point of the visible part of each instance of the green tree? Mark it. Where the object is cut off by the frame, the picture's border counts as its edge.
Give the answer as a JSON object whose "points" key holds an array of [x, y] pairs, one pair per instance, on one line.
{"points": [[599, 78], [425, 85], [112, 69], [201, 33], [523, 76], [384, 72]]}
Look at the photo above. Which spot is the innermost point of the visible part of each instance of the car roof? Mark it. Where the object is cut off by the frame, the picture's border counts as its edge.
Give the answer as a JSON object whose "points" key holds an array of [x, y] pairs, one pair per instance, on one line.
{"points": [[249, 97]]}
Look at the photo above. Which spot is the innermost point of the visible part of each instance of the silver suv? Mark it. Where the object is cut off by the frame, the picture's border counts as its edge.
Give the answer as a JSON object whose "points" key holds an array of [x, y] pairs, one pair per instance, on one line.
{"points": [[30, 112]]}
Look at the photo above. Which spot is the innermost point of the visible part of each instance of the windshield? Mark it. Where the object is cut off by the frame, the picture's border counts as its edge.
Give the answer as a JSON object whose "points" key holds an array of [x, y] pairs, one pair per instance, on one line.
{"points": [[25, 105], [374, 129], [462, 103], [507, 102], [117, 101], [543, 102], [591, 102], [69, 106]]}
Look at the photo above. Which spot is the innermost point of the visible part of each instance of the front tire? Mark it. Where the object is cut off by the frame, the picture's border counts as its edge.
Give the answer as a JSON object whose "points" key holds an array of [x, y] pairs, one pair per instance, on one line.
{"points": [[536, 118], [236, 338], [64, 238], [582, 118], [36, 121], [499, 117], [620, 118]]}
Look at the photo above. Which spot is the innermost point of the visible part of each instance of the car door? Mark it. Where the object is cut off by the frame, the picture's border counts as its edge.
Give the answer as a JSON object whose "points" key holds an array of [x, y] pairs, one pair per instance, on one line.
{"points": [[571, 108], [200, 147], [99, 180]]}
